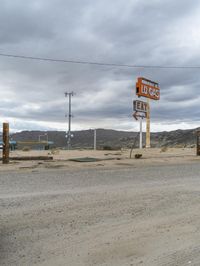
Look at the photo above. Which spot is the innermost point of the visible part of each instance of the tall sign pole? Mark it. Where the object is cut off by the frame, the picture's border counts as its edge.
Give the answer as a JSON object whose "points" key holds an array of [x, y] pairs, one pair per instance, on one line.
{"points": [[148, 134], [6, 147], [70, 94], [150, 90]]}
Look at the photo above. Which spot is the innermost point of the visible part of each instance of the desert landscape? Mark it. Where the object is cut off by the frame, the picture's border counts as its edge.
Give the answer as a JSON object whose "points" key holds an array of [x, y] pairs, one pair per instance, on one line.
{"points": [[99, 133], [113, 211]]}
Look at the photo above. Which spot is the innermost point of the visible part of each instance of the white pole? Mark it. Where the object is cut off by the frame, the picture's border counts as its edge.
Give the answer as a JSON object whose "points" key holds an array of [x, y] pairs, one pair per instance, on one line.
{"points": [[140, 132], [95, 139]]}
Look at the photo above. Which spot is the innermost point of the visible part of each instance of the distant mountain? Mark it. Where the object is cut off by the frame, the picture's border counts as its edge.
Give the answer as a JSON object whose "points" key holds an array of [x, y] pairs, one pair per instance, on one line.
{"points": [[111, 138]]}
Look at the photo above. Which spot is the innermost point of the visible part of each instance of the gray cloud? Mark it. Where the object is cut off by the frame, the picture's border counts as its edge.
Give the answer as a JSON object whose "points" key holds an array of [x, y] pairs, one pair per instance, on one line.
{"points": [[138, 32]]}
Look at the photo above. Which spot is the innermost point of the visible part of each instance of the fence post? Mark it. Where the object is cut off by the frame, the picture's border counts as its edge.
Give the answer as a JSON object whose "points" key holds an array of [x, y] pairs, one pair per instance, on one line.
{"points": [[198, 143], [6, 145]]}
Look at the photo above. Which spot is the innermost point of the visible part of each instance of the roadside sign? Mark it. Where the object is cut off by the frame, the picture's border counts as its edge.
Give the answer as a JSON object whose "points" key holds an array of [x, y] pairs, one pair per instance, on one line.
{"points": [[136, 115], [140, 106], [147, 88]]}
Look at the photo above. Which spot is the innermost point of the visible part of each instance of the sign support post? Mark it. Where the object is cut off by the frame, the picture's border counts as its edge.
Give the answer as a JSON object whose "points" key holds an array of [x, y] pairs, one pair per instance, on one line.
{"points": [[140, 133], [140, 109], [148, 138], [150, 90]]}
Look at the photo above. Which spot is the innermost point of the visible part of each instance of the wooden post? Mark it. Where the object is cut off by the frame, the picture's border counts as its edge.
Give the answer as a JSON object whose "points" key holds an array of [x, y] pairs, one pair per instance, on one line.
{"points": [[198, 143], [148, 140], [95, 139], [6, 147]]}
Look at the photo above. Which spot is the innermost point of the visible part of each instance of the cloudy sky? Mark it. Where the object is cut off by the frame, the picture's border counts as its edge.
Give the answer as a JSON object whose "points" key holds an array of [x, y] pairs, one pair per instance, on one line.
{"points": [[135, 32]]}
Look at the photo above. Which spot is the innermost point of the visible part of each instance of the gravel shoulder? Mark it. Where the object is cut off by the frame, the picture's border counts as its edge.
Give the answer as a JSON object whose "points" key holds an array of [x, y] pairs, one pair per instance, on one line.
{"points": [[124, 215]]}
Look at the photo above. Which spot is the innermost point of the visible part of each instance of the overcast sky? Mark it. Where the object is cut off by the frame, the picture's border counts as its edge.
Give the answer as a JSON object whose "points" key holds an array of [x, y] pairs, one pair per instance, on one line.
{"points": [[136, 32]]}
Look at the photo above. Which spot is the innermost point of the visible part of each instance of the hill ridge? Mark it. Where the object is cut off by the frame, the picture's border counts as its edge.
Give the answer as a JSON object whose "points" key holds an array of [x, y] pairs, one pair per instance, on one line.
{"points": [[111, 138]]}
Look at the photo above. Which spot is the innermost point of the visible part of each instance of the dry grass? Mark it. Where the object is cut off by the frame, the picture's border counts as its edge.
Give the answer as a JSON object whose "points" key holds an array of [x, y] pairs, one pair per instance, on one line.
{"points": [[164, 149]]}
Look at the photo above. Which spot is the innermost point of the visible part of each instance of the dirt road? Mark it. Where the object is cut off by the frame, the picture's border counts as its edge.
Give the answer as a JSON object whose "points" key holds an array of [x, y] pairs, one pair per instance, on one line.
{"points": [[120, 216]]}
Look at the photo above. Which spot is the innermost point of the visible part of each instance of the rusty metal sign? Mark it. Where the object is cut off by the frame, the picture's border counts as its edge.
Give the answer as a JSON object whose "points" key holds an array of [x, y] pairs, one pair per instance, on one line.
{"points": [[140, 106], [147, 88], [198, 143], [137, 115]]}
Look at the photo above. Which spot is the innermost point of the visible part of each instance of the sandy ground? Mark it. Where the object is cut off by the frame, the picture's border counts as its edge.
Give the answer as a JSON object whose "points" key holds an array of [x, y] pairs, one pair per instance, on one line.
{"points": [[109, 213], [109, 158]]}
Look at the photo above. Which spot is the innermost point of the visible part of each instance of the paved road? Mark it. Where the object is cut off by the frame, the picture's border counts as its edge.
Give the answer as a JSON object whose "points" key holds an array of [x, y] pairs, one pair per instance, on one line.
{"points": [[130, 216]]}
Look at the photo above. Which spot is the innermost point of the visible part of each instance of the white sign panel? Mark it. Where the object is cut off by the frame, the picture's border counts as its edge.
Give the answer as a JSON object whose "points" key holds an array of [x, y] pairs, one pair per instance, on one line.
{"points": [[140, 106]]}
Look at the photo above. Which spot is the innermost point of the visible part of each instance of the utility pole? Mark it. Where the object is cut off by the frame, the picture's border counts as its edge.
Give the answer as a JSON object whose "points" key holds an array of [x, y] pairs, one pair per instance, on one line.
{"points": [[70, 94]]}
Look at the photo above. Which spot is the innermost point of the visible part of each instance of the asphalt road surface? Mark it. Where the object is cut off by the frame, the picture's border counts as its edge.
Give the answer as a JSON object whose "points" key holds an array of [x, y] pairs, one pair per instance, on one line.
{"points": [[128, 216]]}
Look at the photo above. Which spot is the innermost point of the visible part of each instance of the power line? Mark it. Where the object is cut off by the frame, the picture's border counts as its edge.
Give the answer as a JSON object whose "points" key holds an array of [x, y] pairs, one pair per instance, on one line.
{"points": [[95, 63]]}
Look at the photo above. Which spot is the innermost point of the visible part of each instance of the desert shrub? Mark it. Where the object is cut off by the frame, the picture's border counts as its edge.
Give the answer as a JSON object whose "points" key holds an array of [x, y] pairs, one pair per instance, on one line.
{"points": [[26, 148], [138, 156], [177, 146], [163, 149], [55, 151], [107, 148], [110, 148]]}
